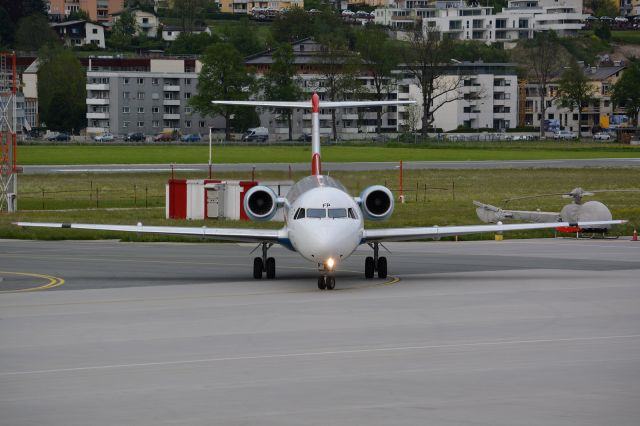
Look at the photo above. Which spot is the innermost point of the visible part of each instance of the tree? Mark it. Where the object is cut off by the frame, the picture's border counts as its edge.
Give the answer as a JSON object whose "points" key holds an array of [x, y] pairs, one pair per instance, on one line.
{"points": [[574, 91], [626, 92], [123, 31], [189, 12], [602, 30], [280, 83], [541, 58], [33, 33], [192, 44], [19, 9], [605, 8], [78, 15], [243, 36], [62, 90], [7, 29], [337, 66], [426, 56], [223, 77], [379, 59], [295, 24]]}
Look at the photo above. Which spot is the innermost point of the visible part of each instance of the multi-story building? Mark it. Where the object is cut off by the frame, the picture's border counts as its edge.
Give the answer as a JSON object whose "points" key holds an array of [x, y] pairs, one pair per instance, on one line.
{"points": [[144, 95], [98, 10], [458, 20], [599, 110], [246, 6]]}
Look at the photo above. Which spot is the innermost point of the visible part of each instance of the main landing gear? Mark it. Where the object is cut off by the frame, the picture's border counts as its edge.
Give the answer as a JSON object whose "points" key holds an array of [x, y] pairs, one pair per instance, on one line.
{"points": [[375, 264], [264, 264], [326, 282]]}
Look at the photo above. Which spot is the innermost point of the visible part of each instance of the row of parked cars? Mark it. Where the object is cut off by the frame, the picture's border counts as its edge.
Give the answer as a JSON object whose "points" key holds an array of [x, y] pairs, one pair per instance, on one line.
{"points": [[569, 135], [141, 137]]}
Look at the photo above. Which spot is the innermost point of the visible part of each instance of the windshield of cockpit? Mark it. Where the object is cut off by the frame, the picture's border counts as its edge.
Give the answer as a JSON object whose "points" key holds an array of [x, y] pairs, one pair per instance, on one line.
{"points": [[325, 213]]}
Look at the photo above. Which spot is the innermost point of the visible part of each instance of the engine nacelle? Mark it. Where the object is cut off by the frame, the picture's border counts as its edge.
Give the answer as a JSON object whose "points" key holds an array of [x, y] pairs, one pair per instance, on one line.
{"points": [[376, 202], [260, 203]]}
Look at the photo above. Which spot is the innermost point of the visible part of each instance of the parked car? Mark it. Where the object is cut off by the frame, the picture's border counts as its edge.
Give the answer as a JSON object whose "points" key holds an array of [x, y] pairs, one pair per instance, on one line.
{"points": [[164, 137], [257, 134], [193, 137], [135, 137], [602, 136], [305, 137], [105, 137], [59, 137], [565, 135]]}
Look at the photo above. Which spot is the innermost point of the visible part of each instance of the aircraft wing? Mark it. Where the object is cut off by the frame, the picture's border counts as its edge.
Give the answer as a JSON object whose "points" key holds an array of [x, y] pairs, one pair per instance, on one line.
{"points": [[229, 234], [308, 105], [435, 232], [355, 104], [274, 104]]}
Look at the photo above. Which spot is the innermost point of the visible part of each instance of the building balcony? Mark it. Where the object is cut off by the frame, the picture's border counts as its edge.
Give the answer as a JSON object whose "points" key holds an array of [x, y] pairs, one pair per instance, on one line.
{"points": [[98, 115], [322, 116], [171, 88], [171, 116], [96, 86], [349, 116], [94, 130], [171, 102], [97, 101]]}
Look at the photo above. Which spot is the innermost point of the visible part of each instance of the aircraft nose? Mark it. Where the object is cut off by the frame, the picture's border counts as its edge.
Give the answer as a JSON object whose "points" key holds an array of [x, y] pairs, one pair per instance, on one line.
{"points": [[335, 243]]}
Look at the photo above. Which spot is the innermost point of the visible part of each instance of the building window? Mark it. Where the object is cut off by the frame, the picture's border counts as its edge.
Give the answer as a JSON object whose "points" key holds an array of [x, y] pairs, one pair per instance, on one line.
{"points": [[187, 81], [187, 110], [95, 31], [125, 95], [125, 110], [140, 110], [187, 95], [126, 80], [202, 124], [140, 123], [140, 80], [140, 95], [155, 110], [187, 124], [155, 81], [125, 124], [155, 123]]}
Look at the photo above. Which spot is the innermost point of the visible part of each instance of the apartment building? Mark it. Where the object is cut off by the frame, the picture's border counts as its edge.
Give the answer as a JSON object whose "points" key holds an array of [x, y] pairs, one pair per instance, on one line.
{"points": [[98, 10], [80, 33], [459, 20], [599, 111], [144, 95], [146, 22], [486, 97]]}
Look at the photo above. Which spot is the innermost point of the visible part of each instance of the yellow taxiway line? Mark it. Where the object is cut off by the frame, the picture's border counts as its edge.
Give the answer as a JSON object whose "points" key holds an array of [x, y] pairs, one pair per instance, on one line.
{"points": [[52, 282]]}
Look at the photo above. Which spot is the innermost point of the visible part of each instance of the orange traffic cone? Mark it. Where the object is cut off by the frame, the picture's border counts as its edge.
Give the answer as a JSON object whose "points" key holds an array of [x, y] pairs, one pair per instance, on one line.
{"points": [[635, 235]]}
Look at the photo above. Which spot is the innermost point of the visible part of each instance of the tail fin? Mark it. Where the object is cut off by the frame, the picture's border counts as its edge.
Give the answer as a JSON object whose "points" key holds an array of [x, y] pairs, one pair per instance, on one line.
{"points": [[316, 163]]}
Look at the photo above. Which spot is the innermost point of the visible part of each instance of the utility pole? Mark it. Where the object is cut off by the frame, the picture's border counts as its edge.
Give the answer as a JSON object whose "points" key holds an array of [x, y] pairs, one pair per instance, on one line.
{"points": [[8, 151]]}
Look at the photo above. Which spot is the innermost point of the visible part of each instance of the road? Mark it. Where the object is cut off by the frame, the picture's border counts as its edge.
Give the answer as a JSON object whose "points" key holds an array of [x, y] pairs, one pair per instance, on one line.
{"points": [[529, 332]]}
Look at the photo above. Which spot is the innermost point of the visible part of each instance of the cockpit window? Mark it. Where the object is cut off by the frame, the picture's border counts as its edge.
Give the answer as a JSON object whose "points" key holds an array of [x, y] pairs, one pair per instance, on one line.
{"points": [[299, 214], [316, 213], [352, 214], [337, 213]]}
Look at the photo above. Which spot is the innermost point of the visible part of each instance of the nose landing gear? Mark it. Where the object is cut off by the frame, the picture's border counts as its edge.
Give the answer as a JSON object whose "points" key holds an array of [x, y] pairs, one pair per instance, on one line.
{"points": [[326, 282], [264, 264], [375, 264]]}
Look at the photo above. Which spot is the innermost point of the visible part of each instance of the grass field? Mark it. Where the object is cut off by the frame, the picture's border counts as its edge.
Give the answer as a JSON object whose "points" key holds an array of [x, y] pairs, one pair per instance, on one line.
{"points": [[192, 154], [630, 37], [434, 197]]}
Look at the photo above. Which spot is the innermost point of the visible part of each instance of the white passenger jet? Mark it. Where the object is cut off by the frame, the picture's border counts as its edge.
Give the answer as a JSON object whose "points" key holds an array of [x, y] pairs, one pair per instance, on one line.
{"points": [[323, 222]]}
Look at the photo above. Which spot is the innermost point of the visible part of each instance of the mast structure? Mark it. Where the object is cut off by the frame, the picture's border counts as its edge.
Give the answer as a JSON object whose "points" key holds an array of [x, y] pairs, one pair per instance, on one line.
{"points": [[8, 150]]}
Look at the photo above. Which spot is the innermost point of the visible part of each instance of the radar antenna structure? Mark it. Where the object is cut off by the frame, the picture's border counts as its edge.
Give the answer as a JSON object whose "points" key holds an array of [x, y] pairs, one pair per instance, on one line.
{"points": [[8, 89]]}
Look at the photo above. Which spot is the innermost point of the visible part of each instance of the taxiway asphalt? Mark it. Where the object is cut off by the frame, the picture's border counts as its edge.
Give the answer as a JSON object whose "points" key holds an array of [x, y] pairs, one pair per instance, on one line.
{"points": [[518, 332], [360, 166]]}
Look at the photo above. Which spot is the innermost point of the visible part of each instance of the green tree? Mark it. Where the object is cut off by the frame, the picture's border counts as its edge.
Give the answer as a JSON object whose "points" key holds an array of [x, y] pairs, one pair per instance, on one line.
{"points": [[123, 31], [19, 9], [62, 90], [626, 92], [605, 8], [280, 83], [574, 91], [541, 59], [427, 56], [379, 57], [295, 24], [33, 33], [243, 36], [602, 31], [192, 44], [78, 15], [223, 77], [189, 12], [7, 29]]}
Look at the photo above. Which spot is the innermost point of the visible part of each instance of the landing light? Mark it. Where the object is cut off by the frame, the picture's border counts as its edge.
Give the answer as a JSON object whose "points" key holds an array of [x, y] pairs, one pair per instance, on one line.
{"points": [[330, 263]]}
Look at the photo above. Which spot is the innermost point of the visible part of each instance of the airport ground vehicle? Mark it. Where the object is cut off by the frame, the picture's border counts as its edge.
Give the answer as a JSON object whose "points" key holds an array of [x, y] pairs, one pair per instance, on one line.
{"points": [[256, 134]]}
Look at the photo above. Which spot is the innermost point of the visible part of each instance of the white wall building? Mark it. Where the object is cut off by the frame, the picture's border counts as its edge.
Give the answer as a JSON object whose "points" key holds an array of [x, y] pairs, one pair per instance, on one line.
{"points": [[80, 33], [146, 22], [171, 33]]}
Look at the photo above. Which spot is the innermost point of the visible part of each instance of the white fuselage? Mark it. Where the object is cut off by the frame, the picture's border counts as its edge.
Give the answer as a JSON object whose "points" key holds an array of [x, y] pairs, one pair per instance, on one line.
{"points": [[332, 226]]}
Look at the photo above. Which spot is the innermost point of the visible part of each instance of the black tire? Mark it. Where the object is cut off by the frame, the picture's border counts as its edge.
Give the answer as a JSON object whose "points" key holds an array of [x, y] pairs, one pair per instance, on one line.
{"points": [[271, 268], [321, 283], [331, 283], [257, 268], [382, 267], [369, 267]]}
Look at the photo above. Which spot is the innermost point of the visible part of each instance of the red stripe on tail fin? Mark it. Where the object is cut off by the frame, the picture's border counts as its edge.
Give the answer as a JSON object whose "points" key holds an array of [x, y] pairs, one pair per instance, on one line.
{"points": [[316, 167]]}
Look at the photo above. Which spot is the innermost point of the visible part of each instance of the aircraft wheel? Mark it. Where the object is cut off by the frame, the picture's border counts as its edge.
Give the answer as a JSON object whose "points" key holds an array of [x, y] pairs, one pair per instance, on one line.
{"points": [[331, 283], [321, 283], [369, 267], [271, 268], [257, 268], [382, 267]]}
